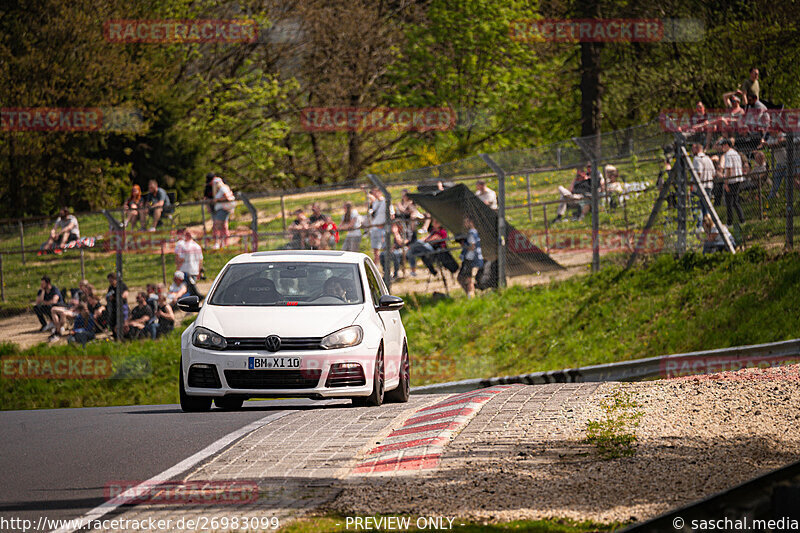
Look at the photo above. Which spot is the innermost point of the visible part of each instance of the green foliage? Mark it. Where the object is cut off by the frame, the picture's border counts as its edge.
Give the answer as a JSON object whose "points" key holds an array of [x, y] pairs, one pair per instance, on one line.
{"points": [[615, 435]]}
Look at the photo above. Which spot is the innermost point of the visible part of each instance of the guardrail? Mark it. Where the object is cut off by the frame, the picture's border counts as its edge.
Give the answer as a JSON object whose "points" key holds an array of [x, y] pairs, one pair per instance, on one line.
{"points": [[638, 369]]}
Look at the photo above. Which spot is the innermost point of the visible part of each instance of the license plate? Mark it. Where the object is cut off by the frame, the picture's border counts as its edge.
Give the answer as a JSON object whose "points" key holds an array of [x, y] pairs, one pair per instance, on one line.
{"points": [[258, 363]]}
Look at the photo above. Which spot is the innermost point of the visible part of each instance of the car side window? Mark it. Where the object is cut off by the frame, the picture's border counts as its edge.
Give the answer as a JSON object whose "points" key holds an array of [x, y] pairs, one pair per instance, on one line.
{"points": [[374, 287]]}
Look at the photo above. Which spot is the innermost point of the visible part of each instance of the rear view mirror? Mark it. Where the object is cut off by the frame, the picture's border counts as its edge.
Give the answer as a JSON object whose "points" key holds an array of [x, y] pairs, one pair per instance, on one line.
{"points": [[189, 304], [390, 303]]}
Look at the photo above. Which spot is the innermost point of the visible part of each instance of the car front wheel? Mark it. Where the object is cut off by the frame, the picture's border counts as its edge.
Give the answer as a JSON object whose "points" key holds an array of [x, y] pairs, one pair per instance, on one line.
{"points": [[401, 393], [378, 381]]}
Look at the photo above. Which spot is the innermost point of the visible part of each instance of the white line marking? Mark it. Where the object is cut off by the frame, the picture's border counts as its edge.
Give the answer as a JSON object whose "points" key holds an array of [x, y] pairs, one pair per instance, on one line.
{"points": [[166, 475]]}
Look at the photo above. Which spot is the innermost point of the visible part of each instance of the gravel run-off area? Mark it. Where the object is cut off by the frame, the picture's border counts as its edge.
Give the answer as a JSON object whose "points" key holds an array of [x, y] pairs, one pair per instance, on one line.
{"points": [[524, 456]]}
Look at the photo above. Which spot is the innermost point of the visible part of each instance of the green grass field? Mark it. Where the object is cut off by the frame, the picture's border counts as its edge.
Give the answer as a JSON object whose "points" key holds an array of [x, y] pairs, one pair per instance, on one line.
{"points": [[667, 306]]}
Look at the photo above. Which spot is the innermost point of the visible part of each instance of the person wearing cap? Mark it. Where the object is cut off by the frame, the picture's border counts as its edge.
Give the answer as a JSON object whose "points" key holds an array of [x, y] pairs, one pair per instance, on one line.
{"points": [[485, 194], [734, 176], [177, 288]]}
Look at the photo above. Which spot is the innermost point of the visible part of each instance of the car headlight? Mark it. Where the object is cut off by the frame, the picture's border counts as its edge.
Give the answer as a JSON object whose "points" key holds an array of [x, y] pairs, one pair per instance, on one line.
{"points": [[205, 338], [349, 336]]}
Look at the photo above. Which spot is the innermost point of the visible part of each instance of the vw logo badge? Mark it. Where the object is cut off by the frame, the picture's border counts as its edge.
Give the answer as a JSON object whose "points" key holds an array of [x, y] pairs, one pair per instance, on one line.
{"points": [[273, 343]]}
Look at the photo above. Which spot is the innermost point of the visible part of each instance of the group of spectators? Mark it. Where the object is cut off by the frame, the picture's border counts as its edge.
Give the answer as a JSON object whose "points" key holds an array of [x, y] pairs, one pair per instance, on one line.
{"points": [[85, 315], [414, 235]]}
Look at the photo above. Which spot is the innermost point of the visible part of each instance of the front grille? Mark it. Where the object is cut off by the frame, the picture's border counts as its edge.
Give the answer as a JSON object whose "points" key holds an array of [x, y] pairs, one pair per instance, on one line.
{"points": [[273, 379], [342, 376], [204, 377], [287, 343]]}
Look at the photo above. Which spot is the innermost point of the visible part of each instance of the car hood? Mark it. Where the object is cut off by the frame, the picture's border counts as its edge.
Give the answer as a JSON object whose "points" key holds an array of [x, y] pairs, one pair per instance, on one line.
{"points": [[241, 321]]}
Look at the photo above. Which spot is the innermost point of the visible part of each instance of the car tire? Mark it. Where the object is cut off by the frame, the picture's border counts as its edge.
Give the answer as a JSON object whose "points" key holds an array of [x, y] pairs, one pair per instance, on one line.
{"points": [[403, 390], [378, 384], [192, 404], [229, 403]]}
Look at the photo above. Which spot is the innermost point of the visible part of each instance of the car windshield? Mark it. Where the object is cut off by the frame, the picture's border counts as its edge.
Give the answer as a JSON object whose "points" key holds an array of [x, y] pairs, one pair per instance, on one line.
{"points": [[288, 283]]}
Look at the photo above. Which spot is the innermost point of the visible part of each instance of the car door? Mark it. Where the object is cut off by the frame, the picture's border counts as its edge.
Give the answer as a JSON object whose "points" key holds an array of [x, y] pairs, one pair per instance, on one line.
{"points": [[391, 322]]}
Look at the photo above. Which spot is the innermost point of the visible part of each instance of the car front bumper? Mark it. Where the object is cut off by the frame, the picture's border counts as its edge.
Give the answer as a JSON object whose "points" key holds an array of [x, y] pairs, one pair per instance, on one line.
{"points": [[235, 377]]}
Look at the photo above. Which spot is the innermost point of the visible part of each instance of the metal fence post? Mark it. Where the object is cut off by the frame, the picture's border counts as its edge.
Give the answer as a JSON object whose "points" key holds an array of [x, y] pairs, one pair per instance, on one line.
{"points": [[83, 267], [681, 200], [2, 281], [116, 227], [790, 154], [595, 214], [203, 217], [501, 219], [283, 212], [528, 184], [546, 230], [22, 242], [387, 259], [254, 219], [163, 264]]}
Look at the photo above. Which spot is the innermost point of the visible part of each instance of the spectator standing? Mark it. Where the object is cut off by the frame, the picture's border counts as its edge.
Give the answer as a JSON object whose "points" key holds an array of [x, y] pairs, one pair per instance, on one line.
{"points": [[156, 201], [732, 167], [223, 202], [485, 194], [47, 297], [177, 288], [351, 222], [132, 206], [188, 256], [377, 218], [111, 302], [471, 257], [750, 86], [135, 326], [64, 230], [704, 168]]}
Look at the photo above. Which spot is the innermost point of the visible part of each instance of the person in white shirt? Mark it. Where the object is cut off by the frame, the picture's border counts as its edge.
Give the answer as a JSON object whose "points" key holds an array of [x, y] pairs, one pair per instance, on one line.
{"points": [[732, 168], [351, 222], [188, 256], [64, 230], [485, 194], [704, 168], [377, 221]]}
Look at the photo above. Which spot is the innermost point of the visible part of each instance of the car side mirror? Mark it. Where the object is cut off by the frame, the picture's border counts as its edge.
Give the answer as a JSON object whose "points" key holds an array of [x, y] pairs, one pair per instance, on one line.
{"points": [[189, 304], [390, 303]]}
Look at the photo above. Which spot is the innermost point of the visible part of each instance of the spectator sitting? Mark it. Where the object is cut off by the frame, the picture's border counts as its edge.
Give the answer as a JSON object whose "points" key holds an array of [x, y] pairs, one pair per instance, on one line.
{"points": [[406, 208], [188, 256], [322, 228], [64, 230], [714, 241], [351, 222], [165, 315], [47, 297], [152, 296], [298, 229], [135, 326], [177, 289], [471, 257], [485, 194], [424, 249], [97, 310], [83, 327], [580, 189], [132, 206], [610, 183], [61, 314], [157, 200]]}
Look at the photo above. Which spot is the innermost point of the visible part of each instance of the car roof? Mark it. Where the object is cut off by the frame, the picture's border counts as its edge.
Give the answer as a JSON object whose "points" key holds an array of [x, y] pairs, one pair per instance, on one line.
{"points": [[310, 256]]}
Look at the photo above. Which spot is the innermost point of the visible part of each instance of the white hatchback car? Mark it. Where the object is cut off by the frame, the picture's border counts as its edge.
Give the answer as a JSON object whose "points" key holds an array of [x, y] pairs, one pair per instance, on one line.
{"points": [[315, 324]]}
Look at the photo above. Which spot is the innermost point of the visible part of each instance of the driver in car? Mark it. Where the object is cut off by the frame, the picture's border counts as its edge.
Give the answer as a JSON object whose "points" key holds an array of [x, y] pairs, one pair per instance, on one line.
{"points": [[334, 287]]}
